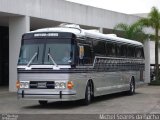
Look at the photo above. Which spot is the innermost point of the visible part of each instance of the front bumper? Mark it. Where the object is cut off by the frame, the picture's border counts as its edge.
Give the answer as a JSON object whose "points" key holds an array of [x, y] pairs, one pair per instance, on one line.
{"points": [[47, 94]]}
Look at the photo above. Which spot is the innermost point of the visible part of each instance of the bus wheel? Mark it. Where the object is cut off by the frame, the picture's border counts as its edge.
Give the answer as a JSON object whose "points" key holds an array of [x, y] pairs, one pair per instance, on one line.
{"points": [[132, 87], [42, 102], [88, 95]]}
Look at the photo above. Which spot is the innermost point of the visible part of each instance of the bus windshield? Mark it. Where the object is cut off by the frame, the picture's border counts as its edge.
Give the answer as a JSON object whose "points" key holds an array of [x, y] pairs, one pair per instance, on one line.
{"points": [[46, 52]]}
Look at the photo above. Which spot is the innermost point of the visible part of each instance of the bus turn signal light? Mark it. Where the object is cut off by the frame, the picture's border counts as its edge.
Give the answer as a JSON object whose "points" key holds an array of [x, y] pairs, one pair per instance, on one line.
{"points": [[18, 84], [70, 85]]}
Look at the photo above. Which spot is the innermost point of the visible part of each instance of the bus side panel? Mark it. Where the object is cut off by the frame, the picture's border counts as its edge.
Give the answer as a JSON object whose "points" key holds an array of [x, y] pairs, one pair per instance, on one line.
{"points": [[108, 82], [114, 81], [80, 81]]}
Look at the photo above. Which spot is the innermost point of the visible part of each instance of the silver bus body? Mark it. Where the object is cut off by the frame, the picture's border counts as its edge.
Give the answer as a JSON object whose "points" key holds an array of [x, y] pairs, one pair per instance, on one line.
{"points": [[107, 74]]}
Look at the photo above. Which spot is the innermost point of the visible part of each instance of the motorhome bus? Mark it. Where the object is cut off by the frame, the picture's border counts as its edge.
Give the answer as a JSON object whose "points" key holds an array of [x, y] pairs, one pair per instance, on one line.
{"points": [[68, 63]]}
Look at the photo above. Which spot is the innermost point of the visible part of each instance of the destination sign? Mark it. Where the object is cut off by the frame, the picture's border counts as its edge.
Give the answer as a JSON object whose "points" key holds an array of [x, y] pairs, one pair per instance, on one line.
{"points": [[46, 34]]}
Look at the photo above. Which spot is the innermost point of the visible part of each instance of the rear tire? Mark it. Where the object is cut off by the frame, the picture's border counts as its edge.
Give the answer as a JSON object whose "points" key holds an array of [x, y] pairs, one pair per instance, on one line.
{"points": [[132, 87], [88, 94], [42, 102]]}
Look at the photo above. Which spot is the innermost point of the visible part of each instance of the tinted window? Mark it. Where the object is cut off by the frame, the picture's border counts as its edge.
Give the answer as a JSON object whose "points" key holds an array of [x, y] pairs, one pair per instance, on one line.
{"points": [[142, 52], [110, 48], [87, 57], [99, 48], [123, 52], [118, 50], [130, 51], [139, 53]]}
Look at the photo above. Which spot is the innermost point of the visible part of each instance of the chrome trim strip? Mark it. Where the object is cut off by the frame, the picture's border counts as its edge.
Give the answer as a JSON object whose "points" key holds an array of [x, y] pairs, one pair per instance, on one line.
{"points": [[44, 66]]}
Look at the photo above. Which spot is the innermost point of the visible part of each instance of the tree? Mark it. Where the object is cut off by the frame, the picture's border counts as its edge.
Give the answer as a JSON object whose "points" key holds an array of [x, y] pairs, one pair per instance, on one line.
{"points": [[153, 21], [133, 31]]}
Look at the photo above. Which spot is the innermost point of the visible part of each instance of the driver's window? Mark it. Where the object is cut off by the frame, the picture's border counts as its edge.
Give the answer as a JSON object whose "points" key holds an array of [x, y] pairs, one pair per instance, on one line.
{"points": [[84, 55]]}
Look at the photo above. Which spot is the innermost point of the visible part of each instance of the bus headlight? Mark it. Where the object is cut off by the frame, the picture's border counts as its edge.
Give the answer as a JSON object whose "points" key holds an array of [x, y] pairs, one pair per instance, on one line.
{"points": [[24, 84], [60, 84]]}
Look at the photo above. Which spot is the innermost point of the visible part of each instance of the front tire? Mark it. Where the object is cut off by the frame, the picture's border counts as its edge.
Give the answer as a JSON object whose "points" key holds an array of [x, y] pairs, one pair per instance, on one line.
{"points": [[42, 102], [88, 94]]}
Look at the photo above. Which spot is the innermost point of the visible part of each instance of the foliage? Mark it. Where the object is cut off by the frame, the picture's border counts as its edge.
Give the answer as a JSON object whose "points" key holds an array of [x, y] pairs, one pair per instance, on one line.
{"points": [[155, 82], [133, 31], [153, 21]]}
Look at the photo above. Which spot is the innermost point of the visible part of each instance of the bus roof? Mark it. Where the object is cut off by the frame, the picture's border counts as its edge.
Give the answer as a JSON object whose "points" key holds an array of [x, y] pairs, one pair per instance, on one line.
{"points": [[87, 33]]}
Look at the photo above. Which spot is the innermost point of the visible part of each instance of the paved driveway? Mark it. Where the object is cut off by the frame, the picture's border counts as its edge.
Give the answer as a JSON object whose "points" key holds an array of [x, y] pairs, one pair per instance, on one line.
{"points": [[145, 101]]}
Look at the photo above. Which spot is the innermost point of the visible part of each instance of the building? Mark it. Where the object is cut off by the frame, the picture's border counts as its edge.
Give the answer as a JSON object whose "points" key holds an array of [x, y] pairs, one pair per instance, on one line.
{"points": [[20, 16]]}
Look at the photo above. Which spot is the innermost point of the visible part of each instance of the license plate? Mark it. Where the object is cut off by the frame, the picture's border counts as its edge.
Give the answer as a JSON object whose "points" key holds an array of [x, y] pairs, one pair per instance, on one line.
{"points": [[42, 85]]}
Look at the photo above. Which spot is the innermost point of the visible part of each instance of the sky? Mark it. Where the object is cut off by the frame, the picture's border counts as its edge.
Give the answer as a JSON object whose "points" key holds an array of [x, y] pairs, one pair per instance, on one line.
{"points": [[123, 6]]}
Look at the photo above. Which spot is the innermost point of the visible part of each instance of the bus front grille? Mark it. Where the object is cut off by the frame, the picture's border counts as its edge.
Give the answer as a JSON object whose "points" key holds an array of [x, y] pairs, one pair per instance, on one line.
{"points": [[42, 84]]}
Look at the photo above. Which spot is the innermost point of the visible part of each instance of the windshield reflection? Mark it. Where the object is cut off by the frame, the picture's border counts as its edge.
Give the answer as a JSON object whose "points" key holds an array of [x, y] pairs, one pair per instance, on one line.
{"points": [[49, 52]]}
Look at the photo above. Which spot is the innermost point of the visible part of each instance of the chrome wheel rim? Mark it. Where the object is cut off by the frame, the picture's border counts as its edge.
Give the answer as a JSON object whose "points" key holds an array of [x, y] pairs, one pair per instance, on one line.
{"points": [[132, 87]]}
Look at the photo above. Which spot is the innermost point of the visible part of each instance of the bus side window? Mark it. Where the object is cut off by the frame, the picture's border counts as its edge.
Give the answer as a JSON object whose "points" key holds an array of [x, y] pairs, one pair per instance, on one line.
{"points": [[130, 51], [99, 48], [85, 55], [123, 51], [118, 47], [139, 53], [111, 49], [133, 52], [142, 51]]}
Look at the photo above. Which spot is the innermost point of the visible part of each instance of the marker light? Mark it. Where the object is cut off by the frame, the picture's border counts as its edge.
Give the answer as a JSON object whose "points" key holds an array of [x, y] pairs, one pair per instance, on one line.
{"points": [[17, 84], [70, 85]]}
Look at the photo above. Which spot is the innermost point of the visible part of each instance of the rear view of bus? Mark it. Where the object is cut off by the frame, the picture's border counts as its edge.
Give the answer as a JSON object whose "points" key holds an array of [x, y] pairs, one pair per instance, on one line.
{"points": [[68, 63]]}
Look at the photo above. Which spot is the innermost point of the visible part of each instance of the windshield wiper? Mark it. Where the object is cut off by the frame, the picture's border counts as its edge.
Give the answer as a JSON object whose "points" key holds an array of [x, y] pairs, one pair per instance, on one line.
{"points": [[50, 56], [33, 57]]}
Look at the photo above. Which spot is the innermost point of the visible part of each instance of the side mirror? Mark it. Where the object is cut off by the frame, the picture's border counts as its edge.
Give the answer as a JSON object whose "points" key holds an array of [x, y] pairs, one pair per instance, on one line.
{"points": [[81, 52]]}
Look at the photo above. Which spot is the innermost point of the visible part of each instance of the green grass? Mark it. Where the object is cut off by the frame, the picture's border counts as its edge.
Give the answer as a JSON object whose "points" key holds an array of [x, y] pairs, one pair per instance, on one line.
{"points": [[155, 82]]}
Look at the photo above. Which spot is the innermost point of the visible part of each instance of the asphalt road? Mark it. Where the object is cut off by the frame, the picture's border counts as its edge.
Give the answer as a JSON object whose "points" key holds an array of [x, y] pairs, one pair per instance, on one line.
{"points": [[145, 101]]}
